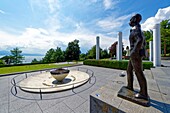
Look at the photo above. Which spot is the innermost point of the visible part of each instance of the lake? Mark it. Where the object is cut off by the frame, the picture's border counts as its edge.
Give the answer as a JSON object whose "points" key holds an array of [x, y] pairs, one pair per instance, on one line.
{"points": [[28, 59]]}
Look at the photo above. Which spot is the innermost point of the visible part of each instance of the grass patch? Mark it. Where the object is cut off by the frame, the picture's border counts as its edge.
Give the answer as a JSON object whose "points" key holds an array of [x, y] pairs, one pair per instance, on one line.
{"points": [[114, 64], [14, 69]]}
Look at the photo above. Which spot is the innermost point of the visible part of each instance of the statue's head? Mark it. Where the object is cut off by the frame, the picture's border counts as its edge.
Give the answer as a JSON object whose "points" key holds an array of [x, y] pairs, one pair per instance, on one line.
{"points": [[135, 20]]}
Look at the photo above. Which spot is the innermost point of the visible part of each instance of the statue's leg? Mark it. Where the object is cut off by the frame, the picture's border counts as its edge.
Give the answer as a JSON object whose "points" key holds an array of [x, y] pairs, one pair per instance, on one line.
{"points": [[130, 75], [137, 64]]}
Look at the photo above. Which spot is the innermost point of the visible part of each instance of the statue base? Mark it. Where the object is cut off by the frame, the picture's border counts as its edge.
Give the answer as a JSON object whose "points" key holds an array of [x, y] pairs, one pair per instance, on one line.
{"points": [[129, 95]]}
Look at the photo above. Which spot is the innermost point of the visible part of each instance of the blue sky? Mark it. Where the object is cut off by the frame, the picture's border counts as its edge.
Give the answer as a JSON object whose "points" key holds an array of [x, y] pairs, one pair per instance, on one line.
{"points": [[35, 26]]}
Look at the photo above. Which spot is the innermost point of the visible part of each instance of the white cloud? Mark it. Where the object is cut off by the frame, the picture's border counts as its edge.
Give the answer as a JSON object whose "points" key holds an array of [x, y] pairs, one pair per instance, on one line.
{"points": [[31, 40], [109, 3], [6, 40], [109, 24], [162, 14], [38, 40], [53, 5], [50, 5], [88, 39], [38, 3], [53, 22], [2, 12], [113, 23]]}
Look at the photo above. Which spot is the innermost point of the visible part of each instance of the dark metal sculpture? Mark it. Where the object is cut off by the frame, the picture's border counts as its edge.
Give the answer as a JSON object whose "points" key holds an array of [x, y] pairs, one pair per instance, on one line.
{"points": [[137, 52]]}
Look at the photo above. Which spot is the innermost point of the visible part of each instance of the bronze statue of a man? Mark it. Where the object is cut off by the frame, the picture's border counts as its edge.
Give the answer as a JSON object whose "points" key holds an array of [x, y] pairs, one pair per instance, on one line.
{"points": [[137, 52]]}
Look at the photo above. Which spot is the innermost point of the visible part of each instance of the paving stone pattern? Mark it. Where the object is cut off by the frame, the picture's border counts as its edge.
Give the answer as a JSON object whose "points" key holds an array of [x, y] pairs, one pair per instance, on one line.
{"points": [[158, 89], [78, 99]]}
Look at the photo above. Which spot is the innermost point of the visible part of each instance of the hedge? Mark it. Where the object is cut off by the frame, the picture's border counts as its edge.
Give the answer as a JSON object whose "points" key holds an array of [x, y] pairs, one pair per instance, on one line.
{"points": [[114, 64]]}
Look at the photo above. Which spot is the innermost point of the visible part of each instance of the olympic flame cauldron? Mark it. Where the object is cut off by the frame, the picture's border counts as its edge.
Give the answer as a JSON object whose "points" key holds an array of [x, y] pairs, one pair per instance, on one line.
{"points": [[59, 74]]}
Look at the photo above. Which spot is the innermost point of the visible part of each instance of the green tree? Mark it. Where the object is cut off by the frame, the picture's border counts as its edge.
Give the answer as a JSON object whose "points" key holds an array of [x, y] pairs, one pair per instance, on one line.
{"points": [[91, 54], [82, 56], [58, 55], [165, 35], [104, 54], [148, 37], [7, 59], [72, 51], [17, 57], [35, 61], [54, 55], [48, 56], [1, 62]]}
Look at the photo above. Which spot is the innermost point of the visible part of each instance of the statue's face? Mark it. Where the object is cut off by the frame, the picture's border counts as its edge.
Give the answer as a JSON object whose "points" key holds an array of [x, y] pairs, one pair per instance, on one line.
{"points": [[132, 22], [135, 20]]}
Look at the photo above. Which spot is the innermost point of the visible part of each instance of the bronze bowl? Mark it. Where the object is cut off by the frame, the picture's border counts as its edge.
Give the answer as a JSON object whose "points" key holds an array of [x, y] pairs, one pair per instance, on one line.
{"points": [[59, 74]]}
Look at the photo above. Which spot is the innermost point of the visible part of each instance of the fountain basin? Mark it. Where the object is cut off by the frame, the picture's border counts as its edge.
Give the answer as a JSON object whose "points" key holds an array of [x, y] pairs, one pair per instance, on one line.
{"points": [[59, 74], [47, 84]]}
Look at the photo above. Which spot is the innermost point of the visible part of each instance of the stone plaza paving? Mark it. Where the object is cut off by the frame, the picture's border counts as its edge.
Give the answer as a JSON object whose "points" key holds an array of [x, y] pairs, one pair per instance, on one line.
{"points": [[78, 99]]}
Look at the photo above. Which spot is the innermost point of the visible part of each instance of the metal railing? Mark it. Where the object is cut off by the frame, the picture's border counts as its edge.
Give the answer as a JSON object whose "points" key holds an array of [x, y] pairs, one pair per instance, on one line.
{"points": [[15, 81]]}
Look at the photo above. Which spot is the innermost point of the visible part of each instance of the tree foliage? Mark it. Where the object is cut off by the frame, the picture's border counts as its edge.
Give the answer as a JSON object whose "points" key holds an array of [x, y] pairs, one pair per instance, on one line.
{"points": [[148, 37], [91, 54], [58, 55], [104, 53], [48, 56], [7, 59], [17, 57], [82, 56], [35, 61], [165, 37], [54, 55], [1, 62], [72, 51]]}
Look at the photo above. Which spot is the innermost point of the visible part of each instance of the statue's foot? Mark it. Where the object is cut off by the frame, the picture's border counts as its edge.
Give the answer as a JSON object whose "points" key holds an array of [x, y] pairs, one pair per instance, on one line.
{"points": [[140, 96], [130, 88]]}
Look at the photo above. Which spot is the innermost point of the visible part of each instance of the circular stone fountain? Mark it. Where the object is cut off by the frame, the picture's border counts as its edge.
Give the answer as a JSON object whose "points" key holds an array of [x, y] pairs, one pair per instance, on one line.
{"points": [[52, 82]]}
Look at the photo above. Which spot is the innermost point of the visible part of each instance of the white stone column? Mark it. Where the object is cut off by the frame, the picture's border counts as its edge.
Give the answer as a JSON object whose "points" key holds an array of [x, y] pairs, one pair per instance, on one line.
{"points": [[97, 48], [119, 47], [156, 46], [150, 50], [117, 51]]}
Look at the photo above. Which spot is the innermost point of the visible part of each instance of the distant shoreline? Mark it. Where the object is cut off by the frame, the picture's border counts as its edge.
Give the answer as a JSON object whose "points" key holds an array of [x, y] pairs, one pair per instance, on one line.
{"points": [[28, 59]]}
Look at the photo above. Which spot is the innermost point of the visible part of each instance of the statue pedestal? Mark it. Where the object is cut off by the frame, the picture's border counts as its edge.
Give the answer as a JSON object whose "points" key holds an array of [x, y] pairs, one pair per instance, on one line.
{"points": [[130, 95], [104, 100]]}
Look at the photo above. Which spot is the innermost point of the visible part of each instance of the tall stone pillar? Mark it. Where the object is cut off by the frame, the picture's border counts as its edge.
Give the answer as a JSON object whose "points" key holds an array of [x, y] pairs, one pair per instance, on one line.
{"points": [[150, 50], [156, 46], [97, 48], [119, 47]]}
